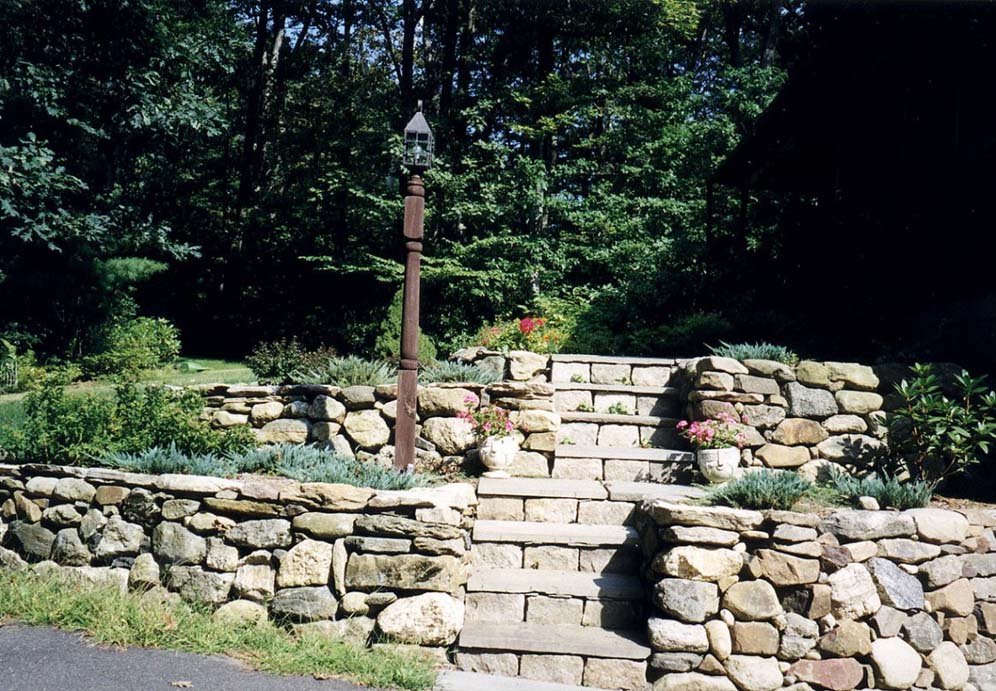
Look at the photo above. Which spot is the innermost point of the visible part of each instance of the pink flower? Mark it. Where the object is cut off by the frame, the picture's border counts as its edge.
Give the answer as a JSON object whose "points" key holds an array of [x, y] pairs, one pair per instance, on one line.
{"points": [[471, 398], [509, 426], [682, 425]]}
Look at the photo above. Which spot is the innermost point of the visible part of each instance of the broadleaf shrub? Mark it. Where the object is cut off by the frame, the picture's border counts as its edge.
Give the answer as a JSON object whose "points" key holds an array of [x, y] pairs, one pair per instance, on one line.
{"points": [[59, 427], [302, 463], [888, 491], [126, 347], [275, 362], [755, 351], [457, 372], [763, 489], [348, 371], [937, 435]]}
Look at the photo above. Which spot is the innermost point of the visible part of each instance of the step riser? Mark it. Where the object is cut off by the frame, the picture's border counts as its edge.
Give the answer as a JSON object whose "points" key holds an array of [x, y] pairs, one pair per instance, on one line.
{"points": [[554, 639], [500, 555], [554, 534], [625, 436], [586, 401], [556, 510], [534, 672], [625, 471], [603, 613]]}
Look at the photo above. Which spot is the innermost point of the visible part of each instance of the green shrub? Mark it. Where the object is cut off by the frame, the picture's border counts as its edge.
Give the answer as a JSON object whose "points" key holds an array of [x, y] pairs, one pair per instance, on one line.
{"points": [[763, 489], [388, 344], [888, 490], [302, 463], [348, 371], [937, 435], [275, 362], [457, 372], [69, 428], [755, 351], [134, 345]]}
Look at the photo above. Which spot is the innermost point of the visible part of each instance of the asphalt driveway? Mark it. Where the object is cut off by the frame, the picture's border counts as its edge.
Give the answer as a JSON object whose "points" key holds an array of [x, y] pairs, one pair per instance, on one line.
{"points": [[34, 658]]}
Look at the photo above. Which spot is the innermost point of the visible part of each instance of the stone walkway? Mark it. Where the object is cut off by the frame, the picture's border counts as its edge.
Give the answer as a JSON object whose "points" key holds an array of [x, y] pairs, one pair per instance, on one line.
{"points": [[44, 659]]}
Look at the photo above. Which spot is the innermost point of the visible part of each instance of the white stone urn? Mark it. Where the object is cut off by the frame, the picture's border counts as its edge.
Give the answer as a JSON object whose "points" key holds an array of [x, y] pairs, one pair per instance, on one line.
{"points": [[718, 465], [498, 454]]}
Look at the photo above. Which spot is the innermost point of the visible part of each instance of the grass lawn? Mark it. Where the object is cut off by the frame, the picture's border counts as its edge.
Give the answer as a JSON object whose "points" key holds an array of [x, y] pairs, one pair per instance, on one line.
{"points": [[123, 619], [214, 371]]}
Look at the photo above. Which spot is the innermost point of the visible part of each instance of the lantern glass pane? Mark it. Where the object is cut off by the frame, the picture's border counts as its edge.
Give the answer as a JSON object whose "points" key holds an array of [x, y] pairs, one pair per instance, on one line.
{"points": [[418, 149]]}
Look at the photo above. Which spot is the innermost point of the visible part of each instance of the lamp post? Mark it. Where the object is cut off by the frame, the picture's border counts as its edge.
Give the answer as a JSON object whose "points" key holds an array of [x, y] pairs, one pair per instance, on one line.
{"points": [[417, 158]]}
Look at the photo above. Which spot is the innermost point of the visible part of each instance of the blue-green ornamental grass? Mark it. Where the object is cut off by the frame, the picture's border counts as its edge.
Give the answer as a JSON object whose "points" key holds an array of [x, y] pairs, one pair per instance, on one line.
{"points": [[457, 372], [755, 351], [301, 463], [763, 489], [887, 490], [348, 371]]}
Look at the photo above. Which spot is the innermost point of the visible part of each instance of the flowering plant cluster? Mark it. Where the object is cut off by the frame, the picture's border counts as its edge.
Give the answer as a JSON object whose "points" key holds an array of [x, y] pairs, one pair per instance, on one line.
{"points": [[713, 434], [486, 421], [535, 334]]}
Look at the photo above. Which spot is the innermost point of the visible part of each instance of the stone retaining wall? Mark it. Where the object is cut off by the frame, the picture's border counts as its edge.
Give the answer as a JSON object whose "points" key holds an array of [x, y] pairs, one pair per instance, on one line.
{"points": [[802, 417], [338, 559], [359, 420], [851, 600]]}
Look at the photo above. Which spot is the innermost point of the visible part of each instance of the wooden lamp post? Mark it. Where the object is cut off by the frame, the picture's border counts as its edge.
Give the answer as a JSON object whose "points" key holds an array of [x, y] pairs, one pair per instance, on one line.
{"points": [[417, 158]]}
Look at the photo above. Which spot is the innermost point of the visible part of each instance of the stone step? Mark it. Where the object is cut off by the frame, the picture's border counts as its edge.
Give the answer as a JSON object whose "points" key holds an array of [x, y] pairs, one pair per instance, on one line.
{"points": [[610, 586], [452, 680], [617, 388], [624, 453], [614, 360], [640, 491], [554, 640], [570, 534], [618, 419], [541, 488]]}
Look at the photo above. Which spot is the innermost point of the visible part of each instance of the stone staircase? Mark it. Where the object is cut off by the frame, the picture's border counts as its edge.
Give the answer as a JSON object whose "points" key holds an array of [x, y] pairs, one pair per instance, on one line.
{"points": [[555, 595]]}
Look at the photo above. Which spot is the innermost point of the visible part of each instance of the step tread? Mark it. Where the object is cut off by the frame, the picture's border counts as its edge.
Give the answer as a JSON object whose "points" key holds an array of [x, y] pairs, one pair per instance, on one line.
{"points": [[618, 419], [624, 453], [638, 491], [613, 586], [452, 680], [541, 487], [536, 533], [614, 360], [617, 388], [555, 639]]}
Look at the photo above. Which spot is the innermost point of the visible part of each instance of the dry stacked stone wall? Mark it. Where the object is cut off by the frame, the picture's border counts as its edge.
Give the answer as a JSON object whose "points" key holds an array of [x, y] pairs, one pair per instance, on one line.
{"points": [[341, 560], [850, 600], [359, 420], [804, 417]]}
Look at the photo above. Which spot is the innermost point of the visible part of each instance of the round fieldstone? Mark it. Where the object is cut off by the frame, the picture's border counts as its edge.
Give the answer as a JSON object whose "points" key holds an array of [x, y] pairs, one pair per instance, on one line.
{"points": [[752, 600], [896, 664], [427, 619], [691, 601], [304, 604]]}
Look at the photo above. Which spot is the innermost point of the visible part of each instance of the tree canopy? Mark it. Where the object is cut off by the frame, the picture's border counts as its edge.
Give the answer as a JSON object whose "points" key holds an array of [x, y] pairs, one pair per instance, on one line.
{"points": [[233, 166]]}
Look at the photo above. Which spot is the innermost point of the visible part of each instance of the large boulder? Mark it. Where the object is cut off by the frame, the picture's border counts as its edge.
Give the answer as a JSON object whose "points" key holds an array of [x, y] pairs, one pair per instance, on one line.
{"points": [[834, 675], [752, 600], [806, 402], [853, 594], [896, 664], [304, 604], [404, 572], [853, 525], [68, 549], [949, 666], [751, 673], [436, 401], [284, 431], [174, 543], [367, 428], [693, 681], [701, 564], [306, 563], [795, 431], [427, 619], [938, 525], [692, 601], [844, 448], [896, 588], [197, 585], [326, 408], [450, 435], [668, 635], [35, 541], [261, 534], [783, 569]]}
